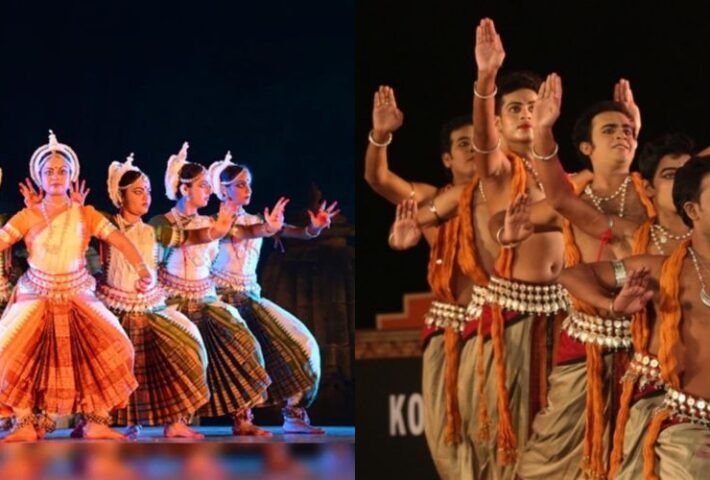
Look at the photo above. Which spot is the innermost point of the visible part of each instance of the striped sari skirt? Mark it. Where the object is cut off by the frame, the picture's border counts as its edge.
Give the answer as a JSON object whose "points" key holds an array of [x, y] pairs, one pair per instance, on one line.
{"points": [[236, 376], [290, 351], [61, 350], [170, 358]]}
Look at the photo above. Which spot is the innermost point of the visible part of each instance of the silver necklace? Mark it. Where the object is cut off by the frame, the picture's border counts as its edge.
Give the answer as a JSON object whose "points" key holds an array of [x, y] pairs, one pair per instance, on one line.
{"points": [[660, 236], [480, 189], [182, 221], [49, 247], [704, 297], [598, 199], [529, 167]]}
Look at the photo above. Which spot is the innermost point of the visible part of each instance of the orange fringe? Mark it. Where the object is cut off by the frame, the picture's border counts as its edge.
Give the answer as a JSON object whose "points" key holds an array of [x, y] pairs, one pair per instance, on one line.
{"points": [[649, 445], [452, 352], [441, 279], [468, 262], [671, 314], [640, 334], [484, 419], [506, 439], [594, 433]]}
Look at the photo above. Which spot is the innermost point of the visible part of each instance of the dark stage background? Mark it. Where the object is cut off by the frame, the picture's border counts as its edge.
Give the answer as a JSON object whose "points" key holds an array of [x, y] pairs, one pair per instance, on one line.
{"points": [[425, 52], [270, 81]]}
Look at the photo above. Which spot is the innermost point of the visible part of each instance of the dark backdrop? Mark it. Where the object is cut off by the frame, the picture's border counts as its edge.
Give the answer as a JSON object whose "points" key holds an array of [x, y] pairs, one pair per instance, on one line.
{"points": [[425, 52], [270, 81]]}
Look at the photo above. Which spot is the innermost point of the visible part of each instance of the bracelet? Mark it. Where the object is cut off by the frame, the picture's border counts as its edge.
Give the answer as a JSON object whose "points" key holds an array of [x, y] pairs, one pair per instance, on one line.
{"points": [[209, 235], [619, 272], [389, 239], [432, 209], [309, 234], [484, 97], [485, 152], [500, 242], [544, 158], [381, 145], [411, 192]]}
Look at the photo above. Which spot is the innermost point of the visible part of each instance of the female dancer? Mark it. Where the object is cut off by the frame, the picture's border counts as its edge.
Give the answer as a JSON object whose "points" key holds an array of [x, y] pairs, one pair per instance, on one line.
{"points": [[171, 359], [291, 352], [235, 374], [61, 350]]}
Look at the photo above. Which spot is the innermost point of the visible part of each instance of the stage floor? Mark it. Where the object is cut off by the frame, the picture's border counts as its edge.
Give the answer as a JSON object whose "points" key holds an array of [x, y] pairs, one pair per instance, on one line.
{"points": [[221, 435], [218, 456]]}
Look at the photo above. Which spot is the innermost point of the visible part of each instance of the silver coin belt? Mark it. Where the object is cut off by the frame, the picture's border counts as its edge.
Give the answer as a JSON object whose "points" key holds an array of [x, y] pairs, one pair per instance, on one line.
{"points": [[57, 286], [645, 370], [131, 302], [605, 332], [478, 299], [687, 407], [527, 298], [443, 314], [186, 289]]}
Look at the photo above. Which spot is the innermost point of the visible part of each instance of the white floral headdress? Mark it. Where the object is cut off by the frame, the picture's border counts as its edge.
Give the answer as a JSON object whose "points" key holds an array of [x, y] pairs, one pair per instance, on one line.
{"points": [[115, 172], [172, 174], [215, 171], [43, 153]]}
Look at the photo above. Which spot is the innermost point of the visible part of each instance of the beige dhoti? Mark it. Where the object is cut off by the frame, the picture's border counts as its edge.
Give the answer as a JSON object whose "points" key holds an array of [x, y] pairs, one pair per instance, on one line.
{"points": [[477, 459], [556, 447], [434, 404], [640, 414]]}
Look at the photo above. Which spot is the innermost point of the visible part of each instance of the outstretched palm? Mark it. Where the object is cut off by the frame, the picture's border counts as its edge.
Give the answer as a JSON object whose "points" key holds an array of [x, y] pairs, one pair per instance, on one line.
{"points": [[31, 196], [517, 226], [623, 94], [322, 218], [275, 218], [386, 117], [549, 102], [79, 192], [635, 293], [405, 230], [489, 48]]}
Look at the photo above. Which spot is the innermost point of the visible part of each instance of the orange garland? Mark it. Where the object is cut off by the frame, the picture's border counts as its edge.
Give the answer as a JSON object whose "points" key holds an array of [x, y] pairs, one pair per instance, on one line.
{"points": [[594, 432], [506, 438], [671, 313]]}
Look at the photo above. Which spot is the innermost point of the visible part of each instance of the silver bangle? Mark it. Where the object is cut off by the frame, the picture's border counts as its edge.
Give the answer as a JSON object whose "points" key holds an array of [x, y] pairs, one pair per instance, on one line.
{"points": [[484, 97], [619, 272], [309, 234], [544, 158], [485, 152], [500, 242], [381, 145]]}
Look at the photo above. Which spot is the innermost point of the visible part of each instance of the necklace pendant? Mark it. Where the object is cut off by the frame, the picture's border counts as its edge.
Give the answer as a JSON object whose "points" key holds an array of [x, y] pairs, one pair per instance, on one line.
{"points": [[705, 298], [664, 239]]}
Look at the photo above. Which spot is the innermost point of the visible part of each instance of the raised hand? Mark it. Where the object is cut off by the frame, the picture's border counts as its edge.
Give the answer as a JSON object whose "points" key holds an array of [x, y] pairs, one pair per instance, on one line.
{"points": [[182, 154], [635, 293], [274, 220], [322, 218], [489, 48], [32, 197], [386, 117], [405, 230], [517, 226], [78, 192], [549, 102], [623, 94]]}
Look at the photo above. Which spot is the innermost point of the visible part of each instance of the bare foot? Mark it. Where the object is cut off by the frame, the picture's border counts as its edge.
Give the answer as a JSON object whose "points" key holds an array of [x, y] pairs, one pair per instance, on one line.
{"points": [[96, 431], [180, 430], [22, 434], [249, 429]]}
